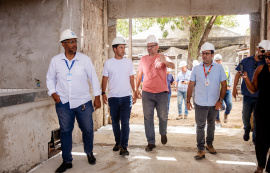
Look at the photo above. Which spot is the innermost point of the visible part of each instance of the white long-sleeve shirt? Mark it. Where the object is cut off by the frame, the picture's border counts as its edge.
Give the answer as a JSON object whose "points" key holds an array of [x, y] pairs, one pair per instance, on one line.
{"points": [[76, 90]]}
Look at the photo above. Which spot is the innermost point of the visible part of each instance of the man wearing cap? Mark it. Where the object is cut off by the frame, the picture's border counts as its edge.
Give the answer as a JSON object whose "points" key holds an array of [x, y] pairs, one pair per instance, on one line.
{"points": [[155, 90], [249, 65], [67, 84], [119, 72], [208, 77], [170, 81], [228, 96], [181, 83]]}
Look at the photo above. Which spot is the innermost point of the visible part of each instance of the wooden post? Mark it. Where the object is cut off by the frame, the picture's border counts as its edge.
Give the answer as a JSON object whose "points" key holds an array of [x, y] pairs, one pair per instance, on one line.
{"points": [[130, 40], [254, 31]]}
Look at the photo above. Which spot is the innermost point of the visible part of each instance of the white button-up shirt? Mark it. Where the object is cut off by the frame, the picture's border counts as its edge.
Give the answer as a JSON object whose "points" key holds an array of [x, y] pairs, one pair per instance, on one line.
{"points": [[76, 90]]}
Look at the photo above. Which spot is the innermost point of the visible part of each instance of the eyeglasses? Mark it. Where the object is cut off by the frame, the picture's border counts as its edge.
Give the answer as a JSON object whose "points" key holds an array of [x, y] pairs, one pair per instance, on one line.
{"points": [[151, 46], [267, 57], [206, 53], [262, 50], [71, 41]]}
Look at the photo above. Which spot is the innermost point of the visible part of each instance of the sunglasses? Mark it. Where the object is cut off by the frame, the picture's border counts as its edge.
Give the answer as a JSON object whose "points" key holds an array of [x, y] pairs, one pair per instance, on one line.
{"points": [[267, 57]]}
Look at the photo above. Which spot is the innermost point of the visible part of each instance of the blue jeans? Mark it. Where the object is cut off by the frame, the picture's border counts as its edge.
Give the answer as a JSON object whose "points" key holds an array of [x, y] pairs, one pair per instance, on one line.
{"points": [[66, 118], [228, 102], [169, 100], [182, 95], [151, 101], [120, 108], [249, 104]]}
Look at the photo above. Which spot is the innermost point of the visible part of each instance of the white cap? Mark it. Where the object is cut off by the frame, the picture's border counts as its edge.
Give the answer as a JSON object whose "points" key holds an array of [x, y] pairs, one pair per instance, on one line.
{"points": [[169, 69], [118, 40], [195, 62], [151, 39], [183, 63], [264, 44], [67, 34], [207, 46], [217, 57]]}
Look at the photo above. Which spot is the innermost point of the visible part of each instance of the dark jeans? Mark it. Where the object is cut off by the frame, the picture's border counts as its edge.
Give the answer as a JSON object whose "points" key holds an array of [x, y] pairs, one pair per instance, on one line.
{"points": [[228, 102], [151, 101], [66, 118], [249, 104], [120, 108], [169, 100], [203, 114]]}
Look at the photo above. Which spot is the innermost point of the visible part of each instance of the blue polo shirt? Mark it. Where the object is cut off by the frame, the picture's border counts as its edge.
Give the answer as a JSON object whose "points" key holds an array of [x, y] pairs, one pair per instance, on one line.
{"points": [[170, 80], [249, 65], [207, 95]]}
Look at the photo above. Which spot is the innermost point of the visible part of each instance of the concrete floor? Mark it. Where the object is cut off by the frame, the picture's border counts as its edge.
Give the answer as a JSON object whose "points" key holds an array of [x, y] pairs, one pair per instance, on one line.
{"points": [[234, 155]]}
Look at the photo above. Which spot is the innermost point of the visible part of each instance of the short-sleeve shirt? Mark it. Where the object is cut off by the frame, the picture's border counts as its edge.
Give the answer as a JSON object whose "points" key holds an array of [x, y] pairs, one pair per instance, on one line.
{"points": [[249, 65], [170, 80], [183, 77], [155, 74], [118, 73], [207, 95]]}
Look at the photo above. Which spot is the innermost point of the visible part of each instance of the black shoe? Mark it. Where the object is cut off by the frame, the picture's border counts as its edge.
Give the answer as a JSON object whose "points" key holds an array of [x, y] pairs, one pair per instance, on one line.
{"points": [[63, 167], [246, 136], [124, 151], [116, 147], [163, 139], [150, 147], [91, 158]]}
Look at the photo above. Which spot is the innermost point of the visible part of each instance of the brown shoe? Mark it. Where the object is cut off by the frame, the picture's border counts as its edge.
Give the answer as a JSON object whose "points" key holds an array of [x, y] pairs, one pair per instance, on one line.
{"points": [[150, 147], [225, 118], [185, 117], [164, 139], [200, 155], [218, 121], [259, 170], [211, 149], [179, 117]]}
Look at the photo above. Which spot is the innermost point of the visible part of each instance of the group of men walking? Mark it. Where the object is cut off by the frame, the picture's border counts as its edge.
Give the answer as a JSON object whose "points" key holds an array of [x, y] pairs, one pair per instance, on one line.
{"points": [[67, 82]]}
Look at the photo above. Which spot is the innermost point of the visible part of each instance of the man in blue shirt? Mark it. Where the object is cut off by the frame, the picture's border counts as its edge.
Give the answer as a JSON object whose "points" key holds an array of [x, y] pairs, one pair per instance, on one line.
{"points": [[208, 77], [249, 100], [170, 81]]}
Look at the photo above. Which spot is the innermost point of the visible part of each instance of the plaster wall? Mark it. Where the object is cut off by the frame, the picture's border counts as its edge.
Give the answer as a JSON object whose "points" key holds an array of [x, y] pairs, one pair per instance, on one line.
{"points": [[152, 8]]}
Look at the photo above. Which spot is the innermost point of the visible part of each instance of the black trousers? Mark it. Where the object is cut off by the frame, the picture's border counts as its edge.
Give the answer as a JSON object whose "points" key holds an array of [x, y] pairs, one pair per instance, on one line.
{"points": [[261, 154]]}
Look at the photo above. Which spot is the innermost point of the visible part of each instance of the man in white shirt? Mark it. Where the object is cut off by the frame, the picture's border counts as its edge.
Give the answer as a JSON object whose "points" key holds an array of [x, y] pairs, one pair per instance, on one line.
{"points": [[67, 84], [119, 72]]}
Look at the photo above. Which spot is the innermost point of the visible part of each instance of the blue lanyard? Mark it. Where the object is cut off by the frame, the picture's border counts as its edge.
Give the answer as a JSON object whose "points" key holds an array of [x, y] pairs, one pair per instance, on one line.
{"points": [[70, 66]]}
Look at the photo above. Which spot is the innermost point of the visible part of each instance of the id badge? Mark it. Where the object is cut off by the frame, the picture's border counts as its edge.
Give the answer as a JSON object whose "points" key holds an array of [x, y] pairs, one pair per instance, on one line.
{"points": [[69, 76], [207, 82]]}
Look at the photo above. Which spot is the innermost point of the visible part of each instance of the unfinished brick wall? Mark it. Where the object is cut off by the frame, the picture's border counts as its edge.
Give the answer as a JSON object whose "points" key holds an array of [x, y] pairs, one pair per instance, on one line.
{"points": [[93, 43]]}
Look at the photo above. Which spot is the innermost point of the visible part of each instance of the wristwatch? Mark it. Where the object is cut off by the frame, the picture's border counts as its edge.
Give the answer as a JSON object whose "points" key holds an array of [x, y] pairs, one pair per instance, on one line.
{"points": [[221, 100], [103, 93]]}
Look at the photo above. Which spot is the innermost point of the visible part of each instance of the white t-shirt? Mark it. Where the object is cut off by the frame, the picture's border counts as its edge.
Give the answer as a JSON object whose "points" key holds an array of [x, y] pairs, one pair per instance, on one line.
{"points": [[119, 72]]}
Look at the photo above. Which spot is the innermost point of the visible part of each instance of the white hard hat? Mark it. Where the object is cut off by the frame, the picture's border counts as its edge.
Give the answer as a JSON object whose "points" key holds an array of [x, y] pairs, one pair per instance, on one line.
{"points": [[264, 44], [217, 57], [67, 34], [207, 46], [151, 39], [118, 40], [195, 62], [183, 63]]}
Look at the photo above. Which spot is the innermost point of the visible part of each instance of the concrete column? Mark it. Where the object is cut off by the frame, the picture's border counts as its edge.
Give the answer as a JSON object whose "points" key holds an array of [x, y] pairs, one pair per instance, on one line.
{"points": [[268, 19], [130, 40], [263, 31], [106, 54], [111, 35], [254, 31]]}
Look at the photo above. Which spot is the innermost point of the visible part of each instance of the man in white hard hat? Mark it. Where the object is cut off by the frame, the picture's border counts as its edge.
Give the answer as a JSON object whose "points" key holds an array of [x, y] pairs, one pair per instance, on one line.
{"points": [[170, 81], [155, 90], [181, 86], [119, 72], [249, 65], [228, 96], [67, 84], [208, 77]]}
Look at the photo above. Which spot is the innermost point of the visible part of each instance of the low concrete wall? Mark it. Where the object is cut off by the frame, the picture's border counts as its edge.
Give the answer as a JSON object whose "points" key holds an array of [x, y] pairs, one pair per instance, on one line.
{"points": [[25, 131]]}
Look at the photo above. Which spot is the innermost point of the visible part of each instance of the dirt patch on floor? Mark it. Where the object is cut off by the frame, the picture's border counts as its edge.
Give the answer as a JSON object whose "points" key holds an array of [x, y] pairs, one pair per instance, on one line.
{"points": [[234, 121]]}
